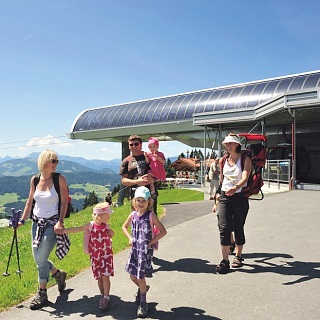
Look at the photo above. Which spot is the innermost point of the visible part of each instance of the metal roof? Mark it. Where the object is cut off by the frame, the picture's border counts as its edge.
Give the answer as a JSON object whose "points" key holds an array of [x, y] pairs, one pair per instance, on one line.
{"points": [[120, 119]]}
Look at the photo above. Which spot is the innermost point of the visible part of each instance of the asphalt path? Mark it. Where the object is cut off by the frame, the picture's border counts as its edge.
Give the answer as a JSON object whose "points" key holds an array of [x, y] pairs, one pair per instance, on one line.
{"points": [[280, 278]]}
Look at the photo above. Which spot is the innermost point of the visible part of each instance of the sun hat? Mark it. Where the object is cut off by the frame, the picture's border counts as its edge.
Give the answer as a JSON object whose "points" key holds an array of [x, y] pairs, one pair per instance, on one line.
{"points": [[153, 141], [98, 209], [231, 137], [142, 192]]}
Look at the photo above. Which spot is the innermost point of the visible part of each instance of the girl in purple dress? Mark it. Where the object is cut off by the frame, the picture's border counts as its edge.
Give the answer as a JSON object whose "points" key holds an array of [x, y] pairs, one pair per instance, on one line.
{"points": [[141, 241]]}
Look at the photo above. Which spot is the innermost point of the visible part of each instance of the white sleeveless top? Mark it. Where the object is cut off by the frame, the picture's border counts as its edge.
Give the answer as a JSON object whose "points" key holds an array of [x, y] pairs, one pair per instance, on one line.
{"points": [[231, 175], [46, 204]]}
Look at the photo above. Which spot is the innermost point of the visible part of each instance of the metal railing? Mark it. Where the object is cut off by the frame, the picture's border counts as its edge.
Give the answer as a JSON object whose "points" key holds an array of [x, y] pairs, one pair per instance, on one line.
{"points": [[277, 171]]}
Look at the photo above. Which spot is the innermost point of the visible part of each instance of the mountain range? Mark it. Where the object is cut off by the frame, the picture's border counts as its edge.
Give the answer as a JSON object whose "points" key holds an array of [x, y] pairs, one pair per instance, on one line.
{"points": [[15, 174], [28, 165]]}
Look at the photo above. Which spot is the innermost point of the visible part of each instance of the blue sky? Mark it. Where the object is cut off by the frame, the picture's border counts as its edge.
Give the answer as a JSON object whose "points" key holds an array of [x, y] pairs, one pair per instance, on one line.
{"points": [[59, 58]]}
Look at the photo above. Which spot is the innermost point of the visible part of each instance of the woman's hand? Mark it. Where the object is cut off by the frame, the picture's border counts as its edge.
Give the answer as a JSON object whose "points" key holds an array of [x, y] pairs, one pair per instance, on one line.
{"points": [[232, 191], [59, 228]]}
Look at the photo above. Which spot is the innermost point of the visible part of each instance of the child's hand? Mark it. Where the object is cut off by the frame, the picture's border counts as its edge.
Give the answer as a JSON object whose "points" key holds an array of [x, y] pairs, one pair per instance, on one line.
{"points": [[130, 241], [110, 233]]}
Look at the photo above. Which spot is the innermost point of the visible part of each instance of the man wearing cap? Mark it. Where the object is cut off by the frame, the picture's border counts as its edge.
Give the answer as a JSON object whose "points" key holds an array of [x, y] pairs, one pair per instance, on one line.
{"points": [[134, 168], [233, 205]]}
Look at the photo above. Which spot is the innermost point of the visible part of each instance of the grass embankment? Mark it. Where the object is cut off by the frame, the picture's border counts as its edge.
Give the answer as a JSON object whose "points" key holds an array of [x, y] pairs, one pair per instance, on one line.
{"points": [[14, 290]]}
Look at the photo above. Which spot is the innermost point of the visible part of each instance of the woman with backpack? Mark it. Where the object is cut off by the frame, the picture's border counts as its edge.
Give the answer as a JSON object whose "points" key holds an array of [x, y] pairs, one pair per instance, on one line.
{"points": [[233, 205], [47, 204]]}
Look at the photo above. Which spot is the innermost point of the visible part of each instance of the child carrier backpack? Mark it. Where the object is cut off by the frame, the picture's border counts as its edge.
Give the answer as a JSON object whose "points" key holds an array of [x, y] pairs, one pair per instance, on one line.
{"points": [[257, 153], [55, 179]]}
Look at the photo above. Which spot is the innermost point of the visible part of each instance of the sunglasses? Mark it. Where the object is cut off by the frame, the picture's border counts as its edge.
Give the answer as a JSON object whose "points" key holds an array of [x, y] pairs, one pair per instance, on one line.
{"points": [[233, 135], [134, 144], [54, 161]]}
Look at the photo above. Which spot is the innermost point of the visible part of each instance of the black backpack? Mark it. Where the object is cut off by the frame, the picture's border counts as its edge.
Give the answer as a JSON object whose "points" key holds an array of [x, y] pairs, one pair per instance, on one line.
{"points": [[57, 187]]}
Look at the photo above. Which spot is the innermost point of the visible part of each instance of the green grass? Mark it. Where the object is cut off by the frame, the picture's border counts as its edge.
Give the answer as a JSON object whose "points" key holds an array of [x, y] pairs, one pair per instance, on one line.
{"points": [[7, 198], [100, 191], [14, 290]]}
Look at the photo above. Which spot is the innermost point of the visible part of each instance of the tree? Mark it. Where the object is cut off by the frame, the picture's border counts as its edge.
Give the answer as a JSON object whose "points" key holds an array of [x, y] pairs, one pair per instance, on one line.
{"points": [[181, 155], [90, 200], [115, 190]]}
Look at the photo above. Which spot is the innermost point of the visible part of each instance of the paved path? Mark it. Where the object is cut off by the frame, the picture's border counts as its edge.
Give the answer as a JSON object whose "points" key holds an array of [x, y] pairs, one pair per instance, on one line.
{"points": [[280, 279]]}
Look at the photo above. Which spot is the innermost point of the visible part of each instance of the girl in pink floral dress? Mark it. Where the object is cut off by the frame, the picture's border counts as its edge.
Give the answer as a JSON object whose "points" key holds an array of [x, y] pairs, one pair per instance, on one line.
{"points": [[100, 249], [156, 161]]}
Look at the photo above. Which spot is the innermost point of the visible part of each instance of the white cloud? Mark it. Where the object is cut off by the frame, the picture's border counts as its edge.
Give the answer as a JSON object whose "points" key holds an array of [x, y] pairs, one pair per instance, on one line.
{"points": [[46, 141]]}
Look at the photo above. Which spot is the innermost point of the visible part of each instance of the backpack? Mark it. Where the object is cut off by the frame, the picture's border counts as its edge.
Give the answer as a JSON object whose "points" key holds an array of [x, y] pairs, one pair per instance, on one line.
{"points": [[55, 179], [258, 154], [86, 238]]}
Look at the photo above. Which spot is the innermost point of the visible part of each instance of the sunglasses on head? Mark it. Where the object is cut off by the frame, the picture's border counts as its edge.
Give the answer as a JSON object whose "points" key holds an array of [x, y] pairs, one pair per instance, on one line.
{"points": [[233, 135], [134, 144], [54, 161]]}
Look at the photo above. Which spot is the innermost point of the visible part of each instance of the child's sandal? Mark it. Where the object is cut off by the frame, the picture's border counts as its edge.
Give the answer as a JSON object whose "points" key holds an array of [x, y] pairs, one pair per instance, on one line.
{"points": [[237, 262]]}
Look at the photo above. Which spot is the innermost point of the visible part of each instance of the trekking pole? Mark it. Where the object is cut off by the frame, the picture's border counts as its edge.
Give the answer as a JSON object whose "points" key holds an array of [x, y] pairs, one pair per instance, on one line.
{"points": [[13, 222], [10, 254], [17, 251]]}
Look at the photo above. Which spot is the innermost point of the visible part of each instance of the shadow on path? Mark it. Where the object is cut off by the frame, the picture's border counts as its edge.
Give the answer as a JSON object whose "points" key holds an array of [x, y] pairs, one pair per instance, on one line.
{"points": [[118, 309], [263, 263], [190, 265]]}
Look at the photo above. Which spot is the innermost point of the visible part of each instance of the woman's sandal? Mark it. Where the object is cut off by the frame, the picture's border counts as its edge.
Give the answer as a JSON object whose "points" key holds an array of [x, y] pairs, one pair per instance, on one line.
{"points": [[223, 267], [237, 262]]}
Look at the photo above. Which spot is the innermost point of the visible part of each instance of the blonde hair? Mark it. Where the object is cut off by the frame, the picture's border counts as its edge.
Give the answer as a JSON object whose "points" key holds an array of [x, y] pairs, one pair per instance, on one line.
{"points": [[150, 204], [46, 156]]}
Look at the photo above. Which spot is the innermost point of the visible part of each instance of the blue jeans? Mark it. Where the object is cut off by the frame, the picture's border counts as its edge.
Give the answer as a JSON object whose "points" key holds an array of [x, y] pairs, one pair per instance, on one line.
{"points": [[41, 254]]}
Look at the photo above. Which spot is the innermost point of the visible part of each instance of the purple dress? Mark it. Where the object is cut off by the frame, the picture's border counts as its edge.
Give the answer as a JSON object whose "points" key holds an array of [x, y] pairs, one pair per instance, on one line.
{"points": [[140, 259]]}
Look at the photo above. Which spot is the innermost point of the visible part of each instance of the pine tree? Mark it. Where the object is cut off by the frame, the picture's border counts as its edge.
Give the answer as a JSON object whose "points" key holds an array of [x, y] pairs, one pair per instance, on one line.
{"points": [[91, 200]]}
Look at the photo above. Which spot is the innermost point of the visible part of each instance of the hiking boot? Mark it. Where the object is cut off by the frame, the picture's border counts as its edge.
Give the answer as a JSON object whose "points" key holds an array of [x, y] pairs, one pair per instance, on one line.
{"points": [[142, 310], [40, 300], [103, 303], [137, 295], [60, 277], [153, 196]]}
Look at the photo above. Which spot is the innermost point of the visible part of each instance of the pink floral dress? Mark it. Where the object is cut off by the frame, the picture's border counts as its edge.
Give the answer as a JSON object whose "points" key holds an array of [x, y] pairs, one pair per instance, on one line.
{"points": [[100, 250]]}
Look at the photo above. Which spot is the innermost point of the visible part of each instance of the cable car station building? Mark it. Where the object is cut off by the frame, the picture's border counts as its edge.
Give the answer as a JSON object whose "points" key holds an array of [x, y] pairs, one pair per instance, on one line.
{"points": [[286, 109]]}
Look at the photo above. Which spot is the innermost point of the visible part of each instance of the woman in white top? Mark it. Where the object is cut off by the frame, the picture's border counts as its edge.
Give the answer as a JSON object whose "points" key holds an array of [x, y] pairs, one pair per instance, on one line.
{"points": [[233, 205], [47, 222]]}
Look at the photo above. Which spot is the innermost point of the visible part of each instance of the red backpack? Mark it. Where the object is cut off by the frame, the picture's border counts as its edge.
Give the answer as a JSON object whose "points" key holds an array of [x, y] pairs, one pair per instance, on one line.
{"points": [[257, 153]]}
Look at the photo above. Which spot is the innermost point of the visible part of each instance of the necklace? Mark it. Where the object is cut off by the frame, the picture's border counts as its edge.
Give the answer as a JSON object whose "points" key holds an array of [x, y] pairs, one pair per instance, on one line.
{"points": [[44, 179]]}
